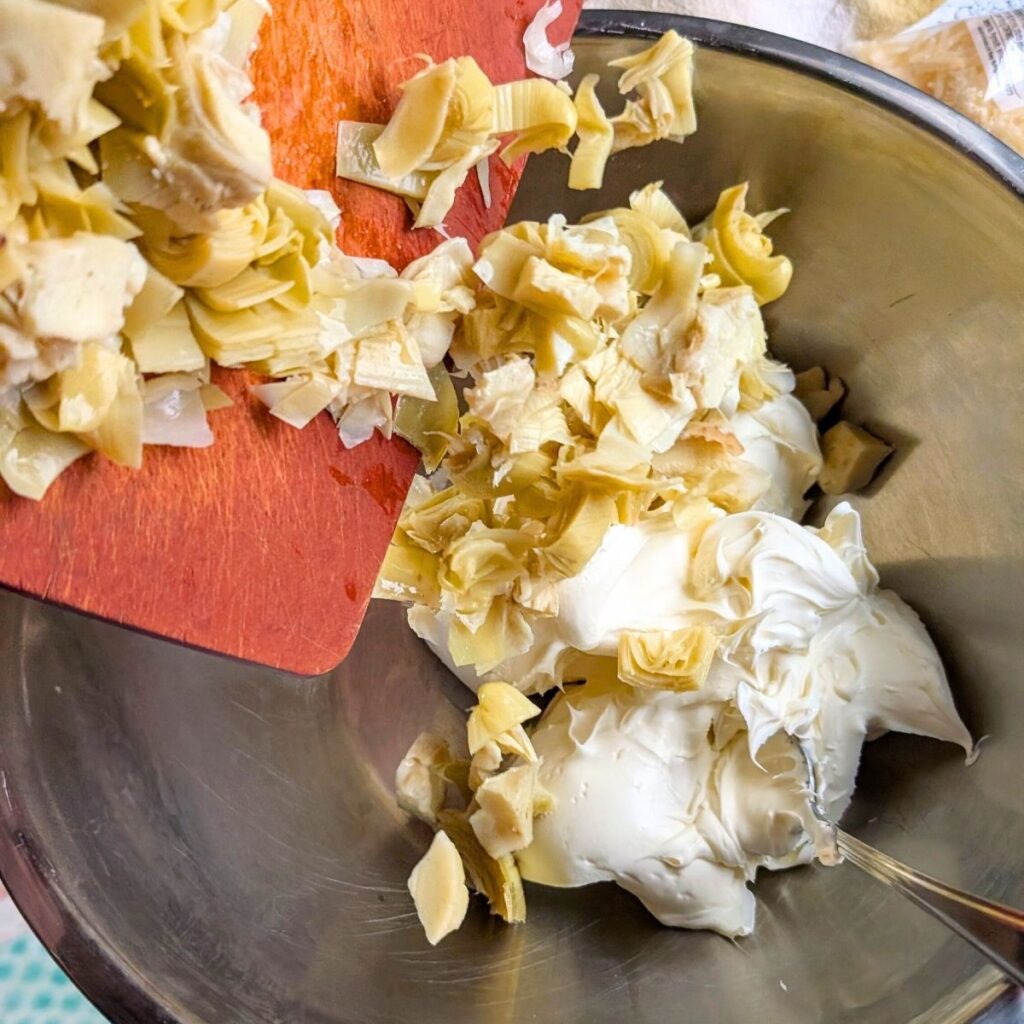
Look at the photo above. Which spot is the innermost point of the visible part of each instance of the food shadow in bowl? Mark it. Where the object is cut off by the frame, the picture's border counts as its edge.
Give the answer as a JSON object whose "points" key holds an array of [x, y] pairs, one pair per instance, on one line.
{"points": [[201, 841]]}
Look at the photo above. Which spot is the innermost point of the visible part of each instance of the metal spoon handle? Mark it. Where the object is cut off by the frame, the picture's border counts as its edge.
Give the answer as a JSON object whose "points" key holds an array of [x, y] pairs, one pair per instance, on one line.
{"points": [[992, 928]]}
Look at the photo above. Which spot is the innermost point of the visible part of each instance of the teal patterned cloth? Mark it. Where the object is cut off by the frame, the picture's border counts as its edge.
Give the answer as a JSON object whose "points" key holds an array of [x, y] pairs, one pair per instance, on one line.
{"points": [[34, 990]]}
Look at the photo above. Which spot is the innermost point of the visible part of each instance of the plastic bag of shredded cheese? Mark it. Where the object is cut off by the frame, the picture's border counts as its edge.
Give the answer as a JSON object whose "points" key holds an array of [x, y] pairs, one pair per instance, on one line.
{"points": [[967, 53]]}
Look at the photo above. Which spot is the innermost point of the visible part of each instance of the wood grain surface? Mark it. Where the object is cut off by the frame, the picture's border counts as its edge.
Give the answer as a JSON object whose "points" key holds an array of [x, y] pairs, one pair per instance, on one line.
{"points": [[265, 546]]}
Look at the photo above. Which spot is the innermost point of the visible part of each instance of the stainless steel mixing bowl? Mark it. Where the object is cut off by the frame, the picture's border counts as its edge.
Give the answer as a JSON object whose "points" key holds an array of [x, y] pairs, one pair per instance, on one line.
{"points": [[202, 841]]}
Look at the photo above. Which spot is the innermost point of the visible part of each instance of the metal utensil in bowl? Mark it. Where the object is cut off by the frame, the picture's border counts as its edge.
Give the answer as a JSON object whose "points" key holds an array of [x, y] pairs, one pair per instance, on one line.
{"points": [[205, 842], [994, 929]]}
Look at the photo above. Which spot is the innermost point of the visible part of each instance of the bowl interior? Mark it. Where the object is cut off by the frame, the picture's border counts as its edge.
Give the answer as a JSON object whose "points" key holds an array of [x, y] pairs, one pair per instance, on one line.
{"points": [[202, 841]]}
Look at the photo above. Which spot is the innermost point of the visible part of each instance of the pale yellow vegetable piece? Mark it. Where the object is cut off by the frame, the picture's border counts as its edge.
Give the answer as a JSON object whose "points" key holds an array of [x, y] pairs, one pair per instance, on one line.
{"points": [[441, 194], [652, 202], [168, 346], [818, 391], [648, 247], [498, 880], [596, 135], [419, 785], [546, 289], [662, 76], [427, 425], [503, 821], [214, 398], [741, 251], [35, 457], [500, 395], [209, 154], [77, 288], [388, 360], [484, 763], [244, 20], [416, 126], [667, 659], [469, 116], [213, 257], [499, 709], [298, 400], [540, 115], [49, 56], [408, 573], [87, 391], [119, 435], [579, 528], [852, 456], [374, 302], [157, 297], [357, 161], [249, 335], [653, 334], [517, 742], [249, 288], [438, 889]]}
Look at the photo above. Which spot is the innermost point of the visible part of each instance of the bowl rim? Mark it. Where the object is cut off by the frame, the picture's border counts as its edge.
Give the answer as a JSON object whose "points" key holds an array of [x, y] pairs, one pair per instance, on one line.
{"points": [[115, 987], [837, 69]]}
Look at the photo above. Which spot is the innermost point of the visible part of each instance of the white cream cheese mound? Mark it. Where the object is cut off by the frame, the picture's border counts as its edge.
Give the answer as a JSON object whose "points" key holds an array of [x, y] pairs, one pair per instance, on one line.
{"points": [[680, 797], [659, 794]]}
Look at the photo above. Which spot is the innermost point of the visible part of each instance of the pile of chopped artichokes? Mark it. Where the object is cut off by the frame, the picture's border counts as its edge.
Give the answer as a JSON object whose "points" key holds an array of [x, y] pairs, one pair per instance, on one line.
{"points": [[451, 118], [604, 360], [143, 237]]}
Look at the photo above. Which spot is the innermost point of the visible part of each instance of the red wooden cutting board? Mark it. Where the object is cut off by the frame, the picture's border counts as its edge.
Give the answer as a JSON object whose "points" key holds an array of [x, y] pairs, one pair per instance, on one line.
{"points": [[266, 546]]}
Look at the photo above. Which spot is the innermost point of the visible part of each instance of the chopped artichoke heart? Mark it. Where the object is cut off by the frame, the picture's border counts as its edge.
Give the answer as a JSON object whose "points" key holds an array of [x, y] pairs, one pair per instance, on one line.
{"points": [[438, 889], [49, 59], [484, 763], [389, 360], [249, 288], [578, 534], [357, 161], [667, 660], [232, 339], [741, 251], [652, 202], [215, 257], [851, 457], [157, 297], [499, 709], [441, 193], [662, 76], [409, 573], [540, 115], [119, 435], [498, 879], [298, 400], [416, 126], [544, 288], [35, 457], [427, 425], [168, 346], [84, 393], [596, 134], [374, 302], [419, 785], [77, 288], [648, 247], [503, 821]]}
